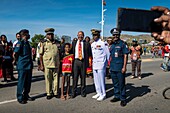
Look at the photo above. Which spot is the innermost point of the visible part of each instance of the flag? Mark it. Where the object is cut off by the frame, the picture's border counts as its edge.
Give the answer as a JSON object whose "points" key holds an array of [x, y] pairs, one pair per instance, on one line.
{"points": [[89, 69], [67, 63], [104, 3]]}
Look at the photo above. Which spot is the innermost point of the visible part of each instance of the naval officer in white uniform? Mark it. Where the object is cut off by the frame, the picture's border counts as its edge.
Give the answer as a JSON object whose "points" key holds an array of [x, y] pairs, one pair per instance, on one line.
{"points": [[101, 54]]}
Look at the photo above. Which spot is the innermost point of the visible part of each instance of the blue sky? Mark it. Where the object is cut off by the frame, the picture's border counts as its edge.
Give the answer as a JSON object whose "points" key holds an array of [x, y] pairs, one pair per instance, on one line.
{"points": [[66, 16]]}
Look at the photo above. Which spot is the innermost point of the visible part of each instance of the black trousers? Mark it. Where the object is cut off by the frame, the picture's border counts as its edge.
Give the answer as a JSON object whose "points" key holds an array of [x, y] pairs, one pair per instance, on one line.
{"points": [[79, 70], [7, 69]]}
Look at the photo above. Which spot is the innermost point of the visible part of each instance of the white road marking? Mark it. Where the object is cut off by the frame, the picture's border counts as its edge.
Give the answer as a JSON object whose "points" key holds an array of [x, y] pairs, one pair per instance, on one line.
{"points": [[8, 101]]}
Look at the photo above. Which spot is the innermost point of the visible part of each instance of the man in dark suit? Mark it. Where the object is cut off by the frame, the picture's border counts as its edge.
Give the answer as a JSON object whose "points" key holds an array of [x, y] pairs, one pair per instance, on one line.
{"points": [[82, 52]]}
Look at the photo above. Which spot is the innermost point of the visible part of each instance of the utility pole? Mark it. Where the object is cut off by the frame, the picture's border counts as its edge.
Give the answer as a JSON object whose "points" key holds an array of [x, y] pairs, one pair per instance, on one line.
{"points": [[102, 21]]}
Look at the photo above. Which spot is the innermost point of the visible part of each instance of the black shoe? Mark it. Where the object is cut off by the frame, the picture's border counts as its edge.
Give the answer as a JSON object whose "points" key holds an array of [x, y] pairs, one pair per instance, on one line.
{"points": [[114, 100], [73, 95], [22, 101], [30, 98], [5, 81], [83, 95], [13, 79], [49, 97], [123, 103], [108, 77], [57, 96]]}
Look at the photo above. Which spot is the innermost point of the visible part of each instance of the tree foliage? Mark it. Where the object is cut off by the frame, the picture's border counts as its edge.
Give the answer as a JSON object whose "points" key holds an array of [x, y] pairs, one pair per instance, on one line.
{"points": [[36, 39]]}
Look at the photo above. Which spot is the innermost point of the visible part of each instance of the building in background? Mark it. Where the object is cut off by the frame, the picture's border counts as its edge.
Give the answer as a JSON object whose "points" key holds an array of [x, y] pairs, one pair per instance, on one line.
{"points": [[67, 38]]}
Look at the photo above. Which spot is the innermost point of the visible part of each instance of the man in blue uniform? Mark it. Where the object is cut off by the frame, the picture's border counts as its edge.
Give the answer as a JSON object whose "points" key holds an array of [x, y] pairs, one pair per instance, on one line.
{"points": [[22, 54], [119, 52], [101, 54]]}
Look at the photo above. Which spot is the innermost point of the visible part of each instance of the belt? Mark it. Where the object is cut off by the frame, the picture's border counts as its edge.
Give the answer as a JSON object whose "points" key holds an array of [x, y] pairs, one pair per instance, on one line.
{"points": [[79, 59]]}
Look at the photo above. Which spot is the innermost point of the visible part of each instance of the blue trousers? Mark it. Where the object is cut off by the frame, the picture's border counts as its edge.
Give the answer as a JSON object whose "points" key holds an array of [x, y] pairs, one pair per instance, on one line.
{"points": [[119, 84], [24, 83]]}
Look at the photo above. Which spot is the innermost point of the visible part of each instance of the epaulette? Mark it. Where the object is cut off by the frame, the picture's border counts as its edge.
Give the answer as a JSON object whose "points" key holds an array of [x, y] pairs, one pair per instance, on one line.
{"points": [[44, 40]]}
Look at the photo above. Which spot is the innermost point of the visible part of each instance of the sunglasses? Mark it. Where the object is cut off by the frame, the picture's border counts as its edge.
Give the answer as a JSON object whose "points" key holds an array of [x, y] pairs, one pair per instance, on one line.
{"points": [[95, 34], [115, 35]]}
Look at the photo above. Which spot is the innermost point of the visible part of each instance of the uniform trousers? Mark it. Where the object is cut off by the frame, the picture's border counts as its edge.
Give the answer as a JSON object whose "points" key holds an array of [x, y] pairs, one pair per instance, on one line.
{"points": [[119, 84], [24, 83], [99, 81], [51, 81]]}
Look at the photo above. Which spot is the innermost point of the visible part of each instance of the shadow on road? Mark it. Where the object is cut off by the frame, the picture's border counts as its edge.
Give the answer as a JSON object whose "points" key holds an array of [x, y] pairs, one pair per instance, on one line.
{"points": [[146, 74], [133, 92], [142, 74], [128, 74], [14, 83], [91, 89], [39, 96]]}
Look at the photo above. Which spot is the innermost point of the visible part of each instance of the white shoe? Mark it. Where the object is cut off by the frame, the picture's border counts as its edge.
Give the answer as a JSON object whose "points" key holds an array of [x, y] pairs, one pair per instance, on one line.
{"points": [[132, 77], [95, 96], [101, 98], [139, 78]]}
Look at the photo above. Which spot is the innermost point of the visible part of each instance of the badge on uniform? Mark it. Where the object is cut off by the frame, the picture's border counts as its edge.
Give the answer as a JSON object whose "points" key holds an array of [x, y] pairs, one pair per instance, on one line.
{"points": [[18, 45], [116, 54], [98, 46], [117, 47]]}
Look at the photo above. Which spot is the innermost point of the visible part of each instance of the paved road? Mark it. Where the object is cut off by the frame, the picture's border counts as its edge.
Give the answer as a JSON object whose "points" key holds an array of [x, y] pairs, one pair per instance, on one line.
{"points": [[143, 96]]}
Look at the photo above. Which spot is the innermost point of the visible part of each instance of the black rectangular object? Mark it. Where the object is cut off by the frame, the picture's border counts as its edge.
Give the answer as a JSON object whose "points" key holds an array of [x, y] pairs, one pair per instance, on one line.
{"points": [[138, 20]]}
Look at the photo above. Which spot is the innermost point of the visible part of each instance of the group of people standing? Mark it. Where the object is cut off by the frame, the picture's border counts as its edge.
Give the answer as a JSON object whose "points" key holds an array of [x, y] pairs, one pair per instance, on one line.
{"points": [[75, 61], [6, 59]]}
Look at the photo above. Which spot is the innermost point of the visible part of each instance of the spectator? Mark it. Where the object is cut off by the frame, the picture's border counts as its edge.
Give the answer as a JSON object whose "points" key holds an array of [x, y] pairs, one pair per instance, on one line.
{"points": [[89, 69], [7, 66]]}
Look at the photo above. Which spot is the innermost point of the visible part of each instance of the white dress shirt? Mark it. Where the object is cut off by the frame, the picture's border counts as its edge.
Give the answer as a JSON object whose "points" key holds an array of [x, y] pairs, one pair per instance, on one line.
{"points": [[14, 44], [77, 49]]}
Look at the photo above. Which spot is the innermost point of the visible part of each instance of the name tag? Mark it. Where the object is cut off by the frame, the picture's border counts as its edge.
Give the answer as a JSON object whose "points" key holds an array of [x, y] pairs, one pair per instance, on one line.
{"points": [[6, 57], [117, 47], [116, 54]]}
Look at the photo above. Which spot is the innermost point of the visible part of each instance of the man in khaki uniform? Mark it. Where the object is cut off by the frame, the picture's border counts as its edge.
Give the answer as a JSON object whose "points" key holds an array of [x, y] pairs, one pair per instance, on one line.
{"points": [[49, 61]]}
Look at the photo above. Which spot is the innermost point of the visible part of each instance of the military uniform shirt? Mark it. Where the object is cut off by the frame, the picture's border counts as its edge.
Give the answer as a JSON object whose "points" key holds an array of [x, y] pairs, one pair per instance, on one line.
{"points": [[50, 53], [100, 53], [23, 49], [117, 50]]}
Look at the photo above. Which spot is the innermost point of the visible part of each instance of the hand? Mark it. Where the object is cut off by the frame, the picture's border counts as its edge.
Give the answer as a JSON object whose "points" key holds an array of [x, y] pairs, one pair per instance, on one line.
{"points": [[14, 62], [123, 70], [163, 36], [42, 68]]}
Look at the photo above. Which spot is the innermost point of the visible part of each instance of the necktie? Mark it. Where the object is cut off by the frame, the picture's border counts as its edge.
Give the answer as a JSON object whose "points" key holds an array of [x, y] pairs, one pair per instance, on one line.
{"points": [[80, 51]]}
